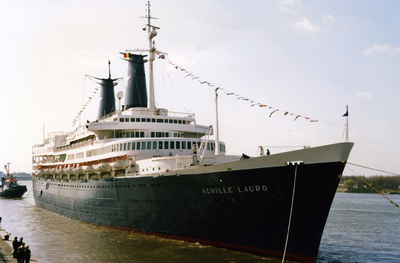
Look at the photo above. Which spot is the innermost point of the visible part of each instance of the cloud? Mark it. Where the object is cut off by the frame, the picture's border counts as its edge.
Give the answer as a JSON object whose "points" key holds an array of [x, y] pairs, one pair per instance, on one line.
{"points": [[289, 6], [305, 24], [364, 95], [385, 48], [328, 19]]}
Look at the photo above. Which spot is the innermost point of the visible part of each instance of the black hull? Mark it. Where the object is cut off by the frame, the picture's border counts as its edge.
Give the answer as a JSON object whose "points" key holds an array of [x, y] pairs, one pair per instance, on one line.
{"points": [[16, 191], [246, 210]]}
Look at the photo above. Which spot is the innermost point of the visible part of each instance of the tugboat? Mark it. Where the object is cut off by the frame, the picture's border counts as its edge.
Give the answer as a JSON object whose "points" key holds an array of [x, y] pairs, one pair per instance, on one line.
{"points": [[9, 185]]}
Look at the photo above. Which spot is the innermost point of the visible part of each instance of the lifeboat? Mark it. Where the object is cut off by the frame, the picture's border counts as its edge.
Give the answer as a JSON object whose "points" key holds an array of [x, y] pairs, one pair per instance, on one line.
{"points": [[53, 170], [60, 169], [68, 169], [103, 167], [88, 169], [120, 164], [40, 172], [77, 168], [46, 170]]}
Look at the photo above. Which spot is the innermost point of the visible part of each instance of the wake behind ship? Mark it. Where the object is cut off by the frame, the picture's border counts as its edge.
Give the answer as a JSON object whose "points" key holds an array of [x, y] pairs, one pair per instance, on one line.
{"points": [[158, 172]]}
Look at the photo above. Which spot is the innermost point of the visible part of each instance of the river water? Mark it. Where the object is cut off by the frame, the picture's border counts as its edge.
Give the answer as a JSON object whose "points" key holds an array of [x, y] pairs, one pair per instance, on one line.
{"points": [[360, 228]]}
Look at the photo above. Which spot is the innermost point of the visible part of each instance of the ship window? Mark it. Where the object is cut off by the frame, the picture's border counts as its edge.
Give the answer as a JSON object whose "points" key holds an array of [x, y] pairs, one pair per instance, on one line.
{"points": [[167, 134], [208, 146], [143, 146], [132, 119], [148, 119], [178, 145], [198, 144], [152, 134], [128, 134], [184, 122], [137, 134], [132, 134], [142, 134], [172, 145], [143, 120], [148, 145], [189, 145], [160, 120], [126, 119], [160, 145], [129, 146], [180, 121], [121, 119], [138, 146], [166, 145], [175, 121], [153, 120], [171, 121], [155, 145], [120, 146], [123, 135], [137, 119], [124, 146], [184, 145], [133, 146]]}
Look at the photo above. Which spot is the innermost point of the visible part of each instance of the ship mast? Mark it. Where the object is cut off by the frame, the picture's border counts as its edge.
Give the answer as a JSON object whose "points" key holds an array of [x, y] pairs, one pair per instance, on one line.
{"points": [[152, 51]]}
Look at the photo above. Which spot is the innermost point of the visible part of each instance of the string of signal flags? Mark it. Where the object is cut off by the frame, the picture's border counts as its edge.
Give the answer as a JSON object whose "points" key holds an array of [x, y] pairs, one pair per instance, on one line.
{"points": [[253, 103]]}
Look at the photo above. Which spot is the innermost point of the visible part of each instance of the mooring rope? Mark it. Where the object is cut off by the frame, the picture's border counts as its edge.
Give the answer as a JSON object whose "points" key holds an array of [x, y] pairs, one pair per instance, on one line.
{"points": [[372, 168], [290, 216], [396, 205]]}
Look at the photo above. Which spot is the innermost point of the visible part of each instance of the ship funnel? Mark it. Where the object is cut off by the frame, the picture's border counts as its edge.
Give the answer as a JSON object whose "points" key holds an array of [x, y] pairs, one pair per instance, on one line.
{"points": [[136, 93], [107, 97]]}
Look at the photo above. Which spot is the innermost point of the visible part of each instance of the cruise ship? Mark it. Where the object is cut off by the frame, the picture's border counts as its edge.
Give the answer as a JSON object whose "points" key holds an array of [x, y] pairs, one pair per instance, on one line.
{"points": [[157, 172]]}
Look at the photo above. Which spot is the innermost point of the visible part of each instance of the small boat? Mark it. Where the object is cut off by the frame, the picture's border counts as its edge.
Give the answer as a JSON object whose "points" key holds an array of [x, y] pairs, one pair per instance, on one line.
{"points": [[9, 185], [103, 167]]}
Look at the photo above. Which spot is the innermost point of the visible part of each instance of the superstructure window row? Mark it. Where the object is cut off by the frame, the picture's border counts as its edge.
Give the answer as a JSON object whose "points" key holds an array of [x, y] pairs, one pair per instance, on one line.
{"points": [[135, 134], [155, 120], [151, 145]]}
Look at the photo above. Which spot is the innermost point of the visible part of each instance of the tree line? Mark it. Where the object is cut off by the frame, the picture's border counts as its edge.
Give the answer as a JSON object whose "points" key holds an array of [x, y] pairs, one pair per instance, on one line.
{"points": [[378, 181]]}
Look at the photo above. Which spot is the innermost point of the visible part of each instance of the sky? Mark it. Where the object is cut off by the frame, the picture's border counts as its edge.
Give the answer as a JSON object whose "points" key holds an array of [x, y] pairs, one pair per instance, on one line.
{"points": [[307, 58]]}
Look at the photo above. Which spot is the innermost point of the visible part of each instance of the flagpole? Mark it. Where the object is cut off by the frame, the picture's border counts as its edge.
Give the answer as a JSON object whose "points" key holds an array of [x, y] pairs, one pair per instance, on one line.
{"points": [[347, 123], [216, 124]]}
